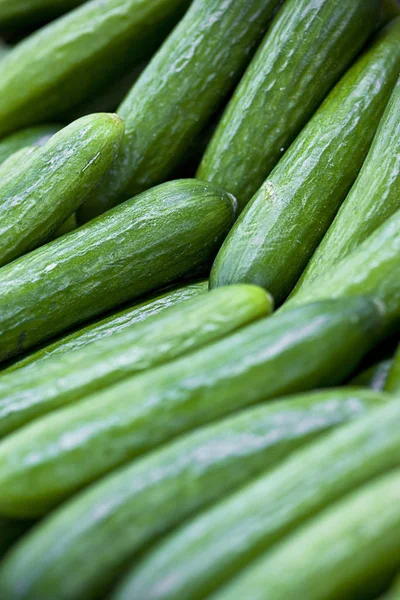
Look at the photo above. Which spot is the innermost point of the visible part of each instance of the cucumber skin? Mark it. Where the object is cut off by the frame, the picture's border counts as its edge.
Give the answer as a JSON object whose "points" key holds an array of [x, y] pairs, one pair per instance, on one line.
{"points": [[33, 136], [205, 553], [140, 413], [304, 53], [179, 91], [45, 190], [393, 381], [29, 393], [279, 230], [112, 324], [374, 197], [16, 160], [196, 470], [20, 13], [10, 532], [374, 377], [69, 225], [140, 246], [59, 66]]}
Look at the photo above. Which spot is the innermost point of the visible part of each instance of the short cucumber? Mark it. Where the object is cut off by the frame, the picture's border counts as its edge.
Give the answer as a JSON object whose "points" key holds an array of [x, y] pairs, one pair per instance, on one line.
{"points": [[152, 495], [31, 392], [347, 551], [374, 197], [207, 551], [33, 136], [179, 91], [68, 60], [283, 224], [393, 381], [39, 194], [374, 377], [306, 50], [22, 13], [313, 346], [114, 323], [138, 247]]}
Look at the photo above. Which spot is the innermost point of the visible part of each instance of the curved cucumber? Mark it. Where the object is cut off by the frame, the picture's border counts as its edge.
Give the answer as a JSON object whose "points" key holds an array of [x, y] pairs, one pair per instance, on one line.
{"points": [[29, 393], [283, 224], [306, 50], [39, 195], [206, 552], [374, 377], [151, 495], [179, 91], [374, 197], [393, 381], [136, 248], [61, 64], [20, 13], [316, 345], [33, 136]]}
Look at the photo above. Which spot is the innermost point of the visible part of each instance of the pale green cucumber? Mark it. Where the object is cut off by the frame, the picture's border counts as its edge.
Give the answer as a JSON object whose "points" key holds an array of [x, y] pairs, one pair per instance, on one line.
{"points": [[33, 136], [16, 160]]}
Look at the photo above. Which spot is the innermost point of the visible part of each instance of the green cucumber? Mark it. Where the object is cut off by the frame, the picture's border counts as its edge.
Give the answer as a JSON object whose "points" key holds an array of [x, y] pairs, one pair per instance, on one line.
{"points": [[179, 91], [34, 136], [306, 50], [283, 224], [4, 49], [29, 393], [348, 550], [113, 324], [374, 197], [16, 160], [19, 13], [60, 65], [394, 593], [206, 552], [40, 194], [150, 496], [49, 459], [390, 10], [10, 531], [139, 246], [374, 377], [69, 225], [393, 381]]}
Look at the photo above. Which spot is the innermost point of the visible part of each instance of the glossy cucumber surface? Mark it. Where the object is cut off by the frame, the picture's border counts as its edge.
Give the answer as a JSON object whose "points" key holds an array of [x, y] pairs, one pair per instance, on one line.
{"points": [[139, 246], [33, 136], [16, 160], [152, 495], [306, 50], [374, 377], [276, 235], [19, 13], [316, 345], [393, 381]]}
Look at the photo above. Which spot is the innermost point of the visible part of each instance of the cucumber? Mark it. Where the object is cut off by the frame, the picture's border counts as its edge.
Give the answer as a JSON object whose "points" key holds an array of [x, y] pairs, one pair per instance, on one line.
{"points": [[138, 247], [394, 593], [113, 324], [49, 459], [33, 136], [306, 50], [283, 224], [347, 550], [10, 532], [374, 197], [374, 377], [206, 552], [152, 495], [56, 68], [4, 49], [372, 268], [29, 393], [17, 160], [393, 381], [69, 225], [179, 91], [35, 202], [19, 13], [390, 10]]}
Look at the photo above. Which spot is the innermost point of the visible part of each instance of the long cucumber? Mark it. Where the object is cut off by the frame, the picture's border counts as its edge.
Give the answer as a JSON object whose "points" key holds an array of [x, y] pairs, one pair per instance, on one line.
{"points": [[33, 136], [374, 377], [152, 495], [393, 381], [19, 13], [281, 227]]}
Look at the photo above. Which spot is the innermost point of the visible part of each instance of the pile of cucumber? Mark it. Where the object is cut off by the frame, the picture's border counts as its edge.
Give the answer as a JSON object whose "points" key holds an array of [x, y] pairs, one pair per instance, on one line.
{"points": [[199, 300]]}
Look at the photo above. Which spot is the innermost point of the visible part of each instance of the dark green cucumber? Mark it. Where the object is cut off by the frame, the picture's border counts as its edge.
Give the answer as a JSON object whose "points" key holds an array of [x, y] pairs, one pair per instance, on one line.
{"points": [[65, 62], [314, 346], [40, 194], [374, 377], [393, 381], [206, 552], [10, 531], [31, 392], [179, 91], [140, 246], [390, 10], [68, 226], [152, 495], [303, 54], [283, 224], [113, 324], [374, 197], [394, 593], [347, 551], [34, 136], [22, 13]]}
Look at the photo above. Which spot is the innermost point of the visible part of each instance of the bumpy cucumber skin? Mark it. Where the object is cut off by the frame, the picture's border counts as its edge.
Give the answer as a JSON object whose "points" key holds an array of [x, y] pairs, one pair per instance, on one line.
{"points": [[150, 496], [178, 92], [374, 197], [30, 393], [140, 246], [16, 160], [341, 553], [20, 13], [113, 324], [68, 226], [304, 53], [307, 348], [281, 227], [393, 381], [59, 66], [33, 136], [206, 552], [40, 194], [374, 377]]}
